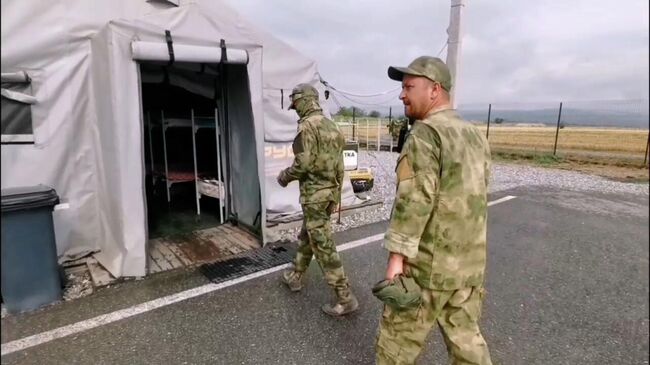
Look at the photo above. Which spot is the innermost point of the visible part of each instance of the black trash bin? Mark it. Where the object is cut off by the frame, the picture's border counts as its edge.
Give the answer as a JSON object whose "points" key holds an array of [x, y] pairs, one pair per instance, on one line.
{"points": [[30, 271]]}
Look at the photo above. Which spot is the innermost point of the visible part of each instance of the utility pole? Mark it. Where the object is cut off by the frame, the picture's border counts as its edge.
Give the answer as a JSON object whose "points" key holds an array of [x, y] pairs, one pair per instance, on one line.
{"points": [[454, 43]]}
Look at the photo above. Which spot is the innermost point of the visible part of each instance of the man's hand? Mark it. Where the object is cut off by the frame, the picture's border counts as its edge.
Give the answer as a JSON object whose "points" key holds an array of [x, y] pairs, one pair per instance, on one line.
{"points": [[395, 265], [281, 180]]}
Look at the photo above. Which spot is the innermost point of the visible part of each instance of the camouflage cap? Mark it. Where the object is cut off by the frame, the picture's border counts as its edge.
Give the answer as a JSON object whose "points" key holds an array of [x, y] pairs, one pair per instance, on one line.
{"points": [[430, 67], [301, 91], [401, 293]]}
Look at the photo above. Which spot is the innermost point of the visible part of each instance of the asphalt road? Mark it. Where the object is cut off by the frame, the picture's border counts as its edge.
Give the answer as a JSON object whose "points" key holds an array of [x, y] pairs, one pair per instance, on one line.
{"points": [[567, 283]]}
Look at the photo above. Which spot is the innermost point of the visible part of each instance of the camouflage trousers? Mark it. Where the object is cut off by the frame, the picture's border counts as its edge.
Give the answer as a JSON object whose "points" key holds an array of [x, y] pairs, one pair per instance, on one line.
{"points": [[402, 334], [316, 240]]}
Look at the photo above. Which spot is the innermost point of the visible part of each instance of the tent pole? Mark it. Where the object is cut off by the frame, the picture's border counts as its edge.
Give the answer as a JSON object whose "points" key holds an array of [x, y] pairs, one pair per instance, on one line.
{"points": [[150, 129], [222, 104], [164, 137], [196, 173], [221, 184]]}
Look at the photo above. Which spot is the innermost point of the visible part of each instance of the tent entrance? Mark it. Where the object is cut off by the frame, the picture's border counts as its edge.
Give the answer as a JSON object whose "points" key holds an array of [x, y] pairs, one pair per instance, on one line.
{"points": [[188, 152]]}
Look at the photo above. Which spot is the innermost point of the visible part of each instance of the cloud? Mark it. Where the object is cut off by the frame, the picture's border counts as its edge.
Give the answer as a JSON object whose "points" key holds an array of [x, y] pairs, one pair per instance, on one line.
{"points": [[513, 50]]}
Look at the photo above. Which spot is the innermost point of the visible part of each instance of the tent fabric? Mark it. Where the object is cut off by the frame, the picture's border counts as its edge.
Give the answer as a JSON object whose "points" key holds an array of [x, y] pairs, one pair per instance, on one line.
{"points": [[87, 121], [15, 77], [155, 51]]}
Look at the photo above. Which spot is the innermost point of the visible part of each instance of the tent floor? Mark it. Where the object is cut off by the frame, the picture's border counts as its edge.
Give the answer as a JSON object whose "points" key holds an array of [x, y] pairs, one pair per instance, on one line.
{"points": [[198, 247], [170, 222]]}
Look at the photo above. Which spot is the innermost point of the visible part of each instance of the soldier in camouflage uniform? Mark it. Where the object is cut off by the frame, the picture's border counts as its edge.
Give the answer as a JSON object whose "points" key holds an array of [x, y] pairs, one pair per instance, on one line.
{"points": [[437, 230], [318, 166], [395, 126]]}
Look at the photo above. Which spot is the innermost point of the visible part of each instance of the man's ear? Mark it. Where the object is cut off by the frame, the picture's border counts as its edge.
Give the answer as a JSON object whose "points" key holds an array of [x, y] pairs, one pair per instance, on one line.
{"points": [[434, 90]]}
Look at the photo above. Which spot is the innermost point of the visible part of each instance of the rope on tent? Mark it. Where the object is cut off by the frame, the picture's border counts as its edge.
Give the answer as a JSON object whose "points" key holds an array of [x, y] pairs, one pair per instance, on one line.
{"points": [[170, 46], [224, 56], [442, 49], [327, 84]]}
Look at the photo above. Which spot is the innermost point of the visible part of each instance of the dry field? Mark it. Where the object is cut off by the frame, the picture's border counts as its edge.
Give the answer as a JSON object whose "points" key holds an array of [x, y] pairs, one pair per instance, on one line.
{"points": [[630, 142], [623, 144], [609, 152]]}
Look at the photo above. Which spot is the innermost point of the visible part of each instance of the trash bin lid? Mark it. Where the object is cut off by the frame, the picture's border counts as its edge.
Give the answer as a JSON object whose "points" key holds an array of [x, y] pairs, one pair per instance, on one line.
{"points": [[26, 197]]}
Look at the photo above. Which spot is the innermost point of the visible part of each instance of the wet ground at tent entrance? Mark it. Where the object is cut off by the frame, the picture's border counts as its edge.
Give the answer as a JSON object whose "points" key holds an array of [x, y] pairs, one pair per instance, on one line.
{"points": [[202, 246]]}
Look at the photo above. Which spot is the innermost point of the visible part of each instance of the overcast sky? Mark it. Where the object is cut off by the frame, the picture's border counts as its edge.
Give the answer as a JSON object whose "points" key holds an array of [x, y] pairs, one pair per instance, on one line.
{"points": [[513, 50]]}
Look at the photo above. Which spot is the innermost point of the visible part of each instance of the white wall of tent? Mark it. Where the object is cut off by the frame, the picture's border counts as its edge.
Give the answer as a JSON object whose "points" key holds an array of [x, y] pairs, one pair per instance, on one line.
{"points": [[73, 116]]}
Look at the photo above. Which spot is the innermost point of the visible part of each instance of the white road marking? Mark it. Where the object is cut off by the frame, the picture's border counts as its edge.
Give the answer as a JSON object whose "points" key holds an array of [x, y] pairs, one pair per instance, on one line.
{"points": [[501, 200], [360, 242], [47, 336]]}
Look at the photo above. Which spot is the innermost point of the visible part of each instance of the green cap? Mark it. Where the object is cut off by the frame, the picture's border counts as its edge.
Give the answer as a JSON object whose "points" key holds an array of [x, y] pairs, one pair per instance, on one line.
{"points": [[401, 293], [301, 91], [430, 67]]}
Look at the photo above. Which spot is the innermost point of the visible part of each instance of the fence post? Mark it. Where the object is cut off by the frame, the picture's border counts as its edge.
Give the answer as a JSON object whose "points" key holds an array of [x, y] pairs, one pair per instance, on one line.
{"points": [[353, 124], [487, 133], [378, 134], [367, 133], [390, 119], [557, 129], [645, 157]]}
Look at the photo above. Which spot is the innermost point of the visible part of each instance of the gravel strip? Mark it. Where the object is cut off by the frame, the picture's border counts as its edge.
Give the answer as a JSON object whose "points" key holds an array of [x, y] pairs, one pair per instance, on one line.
{"points": [[504, 177], [508, 176]]}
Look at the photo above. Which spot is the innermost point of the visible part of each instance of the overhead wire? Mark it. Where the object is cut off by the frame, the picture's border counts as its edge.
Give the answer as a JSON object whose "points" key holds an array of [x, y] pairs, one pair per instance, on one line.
{"points": [[350, 95], [327, 84]]}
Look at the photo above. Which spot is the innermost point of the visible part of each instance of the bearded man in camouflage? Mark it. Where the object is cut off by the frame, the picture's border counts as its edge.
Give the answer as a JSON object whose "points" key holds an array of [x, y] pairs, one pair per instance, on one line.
{"points": [[437, 230], [318, 166]]}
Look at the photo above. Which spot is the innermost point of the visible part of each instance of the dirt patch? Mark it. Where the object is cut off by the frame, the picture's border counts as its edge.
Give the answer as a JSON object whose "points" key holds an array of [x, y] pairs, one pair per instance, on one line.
{"points": [[608, 167], [617, 173]]}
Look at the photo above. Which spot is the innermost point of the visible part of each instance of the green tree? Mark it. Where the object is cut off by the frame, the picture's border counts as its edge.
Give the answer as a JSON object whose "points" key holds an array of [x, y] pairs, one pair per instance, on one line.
{"points": [[359, 112], [344, 112]]}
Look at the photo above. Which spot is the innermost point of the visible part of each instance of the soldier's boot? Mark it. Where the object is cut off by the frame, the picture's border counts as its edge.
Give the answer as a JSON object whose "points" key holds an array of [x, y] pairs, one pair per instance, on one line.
{"points": [[346, 303], [293, 279]]}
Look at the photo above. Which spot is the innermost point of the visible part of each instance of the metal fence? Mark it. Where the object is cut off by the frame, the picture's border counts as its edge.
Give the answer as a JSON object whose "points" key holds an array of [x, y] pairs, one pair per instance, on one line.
{"points": [[371, 133], [606, 131]]}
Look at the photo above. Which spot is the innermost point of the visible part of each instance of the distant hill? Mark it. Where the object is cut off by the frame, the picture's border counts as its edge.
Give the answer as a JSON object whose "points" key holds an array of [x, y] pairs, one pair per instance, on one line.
{"points": [[570, 116]]}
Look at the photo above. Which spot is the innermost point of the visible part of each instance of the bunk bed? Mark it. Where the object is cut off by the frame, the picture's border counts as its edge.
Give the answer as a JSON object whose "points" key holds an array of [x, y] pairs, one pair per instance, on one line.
{"points": [[205, 185]]}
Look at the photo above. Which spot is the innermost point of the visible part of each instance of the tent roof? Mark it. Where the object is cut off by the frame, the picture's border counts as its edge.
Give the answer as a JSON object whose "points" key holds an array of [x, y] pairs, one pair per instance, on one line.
{"points": [[68, 24]]}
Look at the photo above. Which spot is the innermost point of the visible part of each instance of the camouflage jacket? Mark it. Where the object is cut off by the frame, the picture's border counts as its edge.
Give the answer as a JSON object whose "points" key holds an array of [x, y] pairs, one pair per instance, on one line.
{"points": [[318, 161], [439, 217], [395, 126]]}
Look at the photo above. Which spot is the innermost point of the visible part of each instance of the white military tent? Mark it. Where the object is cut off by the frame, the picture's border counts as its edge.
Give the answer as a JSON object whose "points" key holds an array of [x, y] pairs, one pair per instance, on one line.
{"points": [[73, 114]]}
